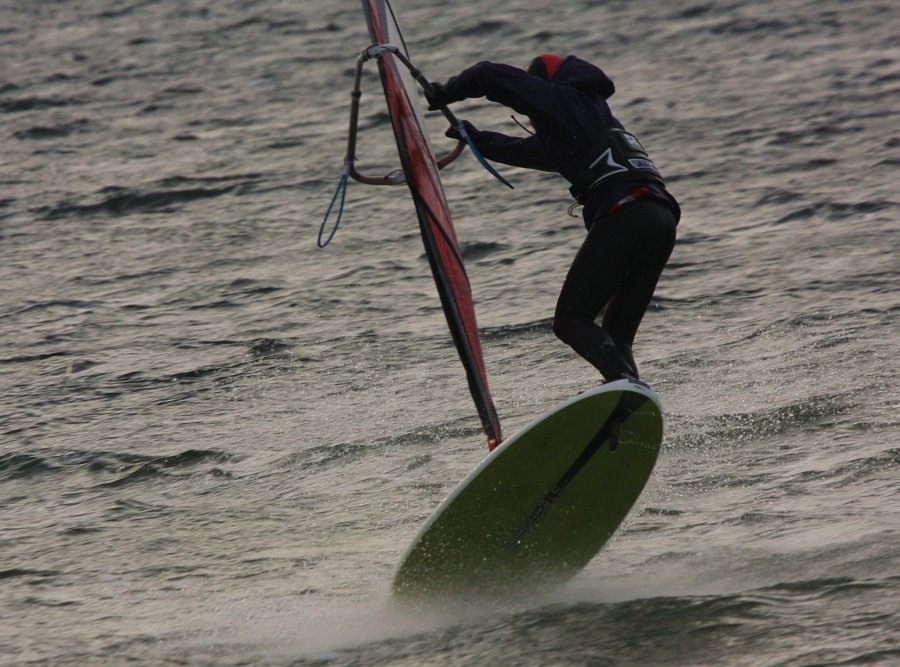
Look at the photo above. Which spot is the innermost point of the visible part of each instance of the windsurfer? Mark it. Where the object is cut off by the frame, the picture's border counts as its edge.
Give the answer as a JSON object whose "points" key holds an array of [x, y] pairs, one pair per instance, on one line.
{"points": [[630, 215]]}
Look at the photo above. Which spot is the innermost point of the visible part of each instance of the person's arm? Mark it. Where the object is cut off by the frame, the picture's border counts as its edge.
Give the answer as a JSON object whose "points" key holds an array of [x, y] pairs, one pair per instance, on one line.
{"points": [[524, 152], [504, 84]]}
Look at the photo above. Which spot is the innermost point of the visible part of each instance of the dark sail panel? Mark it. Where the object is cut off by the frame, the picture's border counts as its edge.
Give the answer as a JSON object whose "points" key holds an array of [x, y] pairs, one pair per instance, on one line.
{"points": [[438, 235]]}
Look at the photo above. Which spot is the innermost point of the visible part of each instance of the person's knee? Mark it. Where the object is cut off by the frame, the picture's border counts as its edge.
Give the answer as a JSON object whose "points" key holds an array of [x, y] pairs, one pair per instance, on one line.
{"points": [[560, 326], [567, 324]]}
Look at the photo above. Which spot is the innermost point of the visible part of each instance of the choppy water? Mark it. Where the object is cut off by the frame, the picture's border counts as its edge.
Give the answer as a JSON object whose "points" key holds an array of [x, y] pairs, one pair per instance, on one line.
{"points": [[216, 441]]}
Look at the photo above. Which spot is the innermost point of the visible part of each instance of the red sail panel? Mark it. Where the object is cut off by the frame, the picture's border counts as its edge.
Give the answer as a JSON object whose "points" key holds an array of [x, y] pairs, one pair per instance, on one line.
{"points": [[436, 225]]}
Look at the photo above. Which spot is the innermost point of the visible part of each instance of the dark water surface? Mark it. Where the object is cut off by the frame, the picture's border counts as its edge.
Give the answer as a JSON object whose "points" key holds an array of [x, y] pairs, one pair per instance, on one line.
{"points": [[216, 441]]}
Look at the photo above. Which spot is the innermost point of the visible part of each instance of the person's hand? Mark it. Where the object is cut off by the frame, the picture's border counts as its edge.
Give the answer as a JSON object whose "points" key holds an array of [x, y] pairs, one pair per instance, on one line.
{"points": [[453, 132], [437, 96]]}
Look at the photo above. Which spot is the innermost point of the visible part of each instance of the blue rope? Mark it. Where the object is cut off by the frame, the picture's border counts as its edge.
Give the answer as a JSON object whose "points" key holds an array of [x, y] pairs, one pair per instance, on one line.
{"points": [[484, 163], [342, 191]]}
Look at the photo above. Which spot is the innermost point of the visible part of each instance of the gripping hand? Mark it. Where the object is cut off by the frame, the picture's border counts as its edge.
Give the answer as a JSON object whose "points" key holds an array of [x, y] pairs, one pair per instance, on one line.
{"points": [[437, 97], [453, 132]]}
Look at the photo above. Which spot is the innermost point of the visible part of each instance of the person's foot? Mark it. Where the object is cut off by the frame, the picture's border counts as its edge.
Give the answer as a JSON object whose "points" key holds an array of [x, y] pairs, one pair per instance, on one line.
{"points": [[613, 363], [628, 356]]}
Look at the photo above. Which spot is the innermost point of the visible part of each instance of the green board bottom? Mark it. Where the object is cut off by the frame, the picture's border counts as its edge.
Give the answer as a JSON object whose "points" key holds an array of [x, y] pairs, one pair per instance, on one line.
{"points": [[541, 505]]}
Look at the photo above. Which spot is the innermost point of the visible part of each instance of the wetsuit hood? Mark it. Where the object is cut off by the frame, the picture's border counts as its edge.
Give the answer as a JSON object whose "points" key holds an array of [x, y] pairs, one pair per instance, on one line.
{"points": [[578, 73]]}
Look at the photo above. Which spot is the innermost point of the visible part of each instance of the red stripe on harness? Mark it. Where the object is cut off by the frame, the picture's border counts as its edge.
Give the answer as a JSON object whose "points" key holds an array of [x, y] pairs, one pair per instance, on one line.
{"points": [[630, 197]]}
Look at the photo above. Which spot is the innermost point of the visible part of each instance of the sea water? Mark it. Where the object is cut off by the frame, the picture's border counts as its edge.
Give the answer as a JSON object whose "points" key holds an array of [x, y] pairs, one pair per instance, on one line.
{"points": [[216, 440]]}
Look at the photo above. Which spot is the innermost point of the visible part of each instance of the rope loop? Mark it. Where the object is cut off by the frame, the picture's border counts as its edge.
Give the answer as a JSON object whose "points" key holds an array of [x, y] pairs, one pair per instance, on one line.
{"points": [[340, 190]]}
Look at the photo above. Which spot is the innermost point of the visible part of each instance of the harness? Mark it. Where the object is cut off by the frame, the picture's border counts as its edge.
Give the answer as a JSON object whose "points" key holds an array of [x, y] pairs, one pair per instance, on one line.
{"points": [[620, 157]]}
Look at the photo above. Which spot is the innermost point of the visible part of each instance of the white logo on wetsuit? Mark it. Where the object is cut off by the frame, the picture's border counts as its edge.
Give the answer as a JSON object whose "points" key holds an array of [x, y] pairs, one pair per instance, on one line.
{"points": [[610, 167], [640, 163]]}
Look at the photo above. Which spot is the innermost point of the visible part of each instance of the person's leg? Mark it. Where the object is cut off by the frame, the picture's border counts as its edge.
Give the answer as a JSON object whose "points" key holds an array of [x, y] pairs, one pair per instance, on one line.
{"points": [[598, 271], [604, 267], [654, 226]]}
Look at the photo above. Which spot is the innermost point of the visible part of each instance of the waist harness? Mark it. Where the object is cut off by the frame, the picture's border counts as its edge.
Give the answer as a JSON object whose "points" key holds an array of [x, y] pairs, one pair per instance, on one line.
{"points": [[620, 157]]}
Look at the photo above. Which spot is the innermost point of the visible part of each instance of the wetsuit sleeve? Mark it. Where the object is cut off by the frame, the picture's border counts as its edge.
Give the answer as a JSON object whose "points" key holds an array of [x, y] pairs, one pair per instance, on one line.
{"points": [[504, 84], [524, 152]]}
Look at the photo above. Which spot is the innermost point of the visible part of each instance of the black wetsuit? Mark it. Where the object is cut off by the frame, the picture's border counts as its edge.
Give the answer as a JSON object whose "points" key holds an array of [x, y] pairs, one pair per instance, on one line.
{"points": [[629, 214]]}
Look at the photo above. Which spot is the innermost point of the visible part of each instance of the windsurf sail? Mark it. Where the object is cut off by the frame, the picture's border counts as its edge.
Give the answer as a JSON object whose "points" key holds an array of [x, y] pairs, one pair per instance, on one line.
{"points": [[438, 235]]}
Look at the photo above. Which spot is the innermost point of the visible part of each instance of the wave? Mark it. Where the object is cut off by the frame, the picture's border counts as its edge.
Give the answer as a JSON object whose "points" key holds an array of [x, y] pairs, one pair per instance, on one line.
{"points": [[475, 250], [819, 621], [522, 329], [319, 457], [837, 210], [740, 427], [35, 575], [268, 347], [767, 27], [22, 466], [20, 104], [41, 132], [118, 201], [256, 350], [168, 195], [28, 358], [126, 468], [484, 27]]}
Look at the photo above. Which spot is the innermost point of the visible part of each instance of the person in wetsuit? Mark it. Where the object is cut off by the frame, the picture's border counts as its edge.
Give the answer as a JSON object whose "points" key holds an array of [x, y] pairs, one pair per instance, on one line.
{"points": [[630, 216]]}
